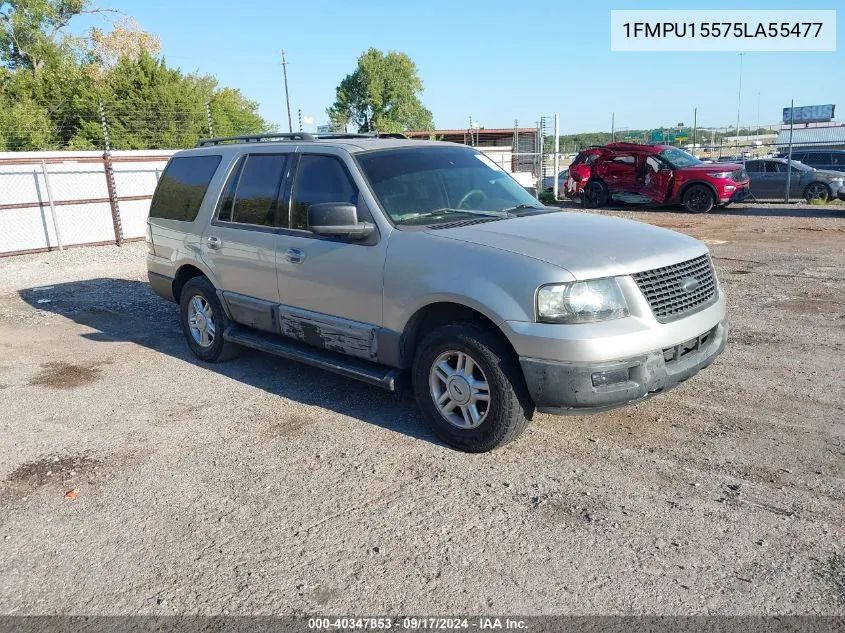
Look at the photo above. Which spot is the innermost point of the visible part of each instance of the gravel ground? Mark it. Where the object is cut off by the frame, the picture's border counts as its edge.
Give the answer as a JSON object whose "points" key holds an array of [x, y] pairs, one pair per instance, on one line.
{"points": [[136, 480]]}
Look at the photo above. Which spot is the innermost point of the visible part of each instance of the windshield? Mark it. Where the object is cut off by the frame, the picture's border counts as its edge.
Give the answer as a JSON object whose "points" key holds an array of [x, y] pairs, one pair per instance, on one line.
{"points": [[678, 158], [427, 185]]}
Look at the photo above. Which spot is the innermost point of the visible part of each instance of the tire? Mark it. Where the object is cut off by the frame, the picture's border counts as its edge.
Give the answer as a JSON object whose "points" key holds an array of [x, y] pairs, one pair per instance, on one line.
{"points": [[199, 291], [504, 415], [817, 191], [699, 199], [595, 194]]}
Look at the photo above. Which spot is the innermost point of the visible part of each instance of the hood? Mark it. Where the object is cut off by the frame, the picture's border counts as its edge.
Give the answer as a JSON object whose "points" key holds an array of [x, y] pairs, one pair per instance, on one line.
{"points": [[585, 244], [713, 167], [826, 174]]}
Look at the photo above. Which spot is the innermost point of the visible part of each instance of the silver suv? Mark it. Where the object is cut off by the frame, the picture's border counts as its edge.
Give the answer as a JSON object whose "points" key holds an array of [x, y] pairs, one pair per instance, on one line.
{"points": [[381, 258]]}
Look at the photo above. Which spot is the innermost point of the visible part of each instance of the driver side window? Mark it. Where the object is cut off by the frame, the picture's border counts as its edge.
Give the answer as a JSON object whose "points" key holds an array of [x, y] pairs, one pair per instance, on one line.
{"points": [[319, 179]]}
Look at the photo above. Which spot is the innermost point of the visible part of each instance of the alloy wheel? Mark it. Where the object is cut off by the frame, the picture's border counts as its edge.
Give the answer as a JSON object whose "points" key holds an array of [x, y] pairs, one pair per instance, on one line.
{"points": [[459, 389]]}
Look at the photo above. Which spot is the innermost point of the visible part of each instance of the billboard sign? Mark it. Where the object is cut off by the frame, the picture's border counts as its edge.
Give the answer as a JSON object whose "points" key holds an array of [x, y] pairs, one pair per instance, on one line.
{"points": [[809, 114]]}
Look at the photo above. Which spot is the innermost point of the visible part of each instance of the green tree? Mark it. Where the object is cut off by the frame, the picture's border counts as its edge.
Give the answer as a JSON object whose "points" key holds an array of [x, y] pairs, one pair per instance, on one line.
{"points": [[51, 85], [381, 94]]}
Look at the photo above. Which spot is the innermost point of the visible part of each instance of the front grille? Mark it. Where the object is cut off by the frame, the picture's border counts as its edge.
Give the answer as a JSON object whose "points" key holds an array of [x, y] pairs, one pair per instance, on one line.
{"points": [[663, 289], [739, 175]]}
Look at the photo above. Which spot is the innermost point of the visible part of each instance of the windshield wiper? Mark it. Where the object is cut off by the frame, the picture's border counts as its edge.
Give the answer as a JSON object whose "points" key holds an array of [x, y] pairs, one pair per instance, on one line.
{"points": [[523, 207], [445, 210]]}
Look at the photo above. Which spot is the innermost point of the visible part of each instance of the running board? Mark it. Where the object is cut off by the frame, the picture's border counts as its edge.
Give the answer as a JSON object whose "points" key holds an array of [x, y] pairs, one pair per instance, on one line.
{"points": [[357, 368]]}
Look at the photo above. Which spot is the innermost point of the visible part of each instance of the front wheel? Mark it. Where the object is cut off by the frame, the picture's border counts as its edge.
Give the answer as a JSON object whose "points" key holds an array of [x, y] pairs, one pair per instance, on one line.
{"points": [[699, 199], [817, 192], [470, 388]]}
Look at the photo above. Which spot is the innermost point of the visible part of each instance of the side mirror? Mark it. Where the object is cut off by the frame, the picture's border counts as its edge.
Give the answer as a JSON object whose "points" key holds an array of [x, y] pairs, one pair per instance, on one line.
{"points": [[338, 219]]}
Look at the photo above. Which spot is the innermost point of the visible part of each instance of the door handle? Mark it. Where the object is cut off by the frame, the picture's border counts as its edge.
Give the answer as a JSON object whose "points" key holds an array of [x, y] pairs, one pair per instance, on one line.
{"points": [[295, 256], [213, 242]]}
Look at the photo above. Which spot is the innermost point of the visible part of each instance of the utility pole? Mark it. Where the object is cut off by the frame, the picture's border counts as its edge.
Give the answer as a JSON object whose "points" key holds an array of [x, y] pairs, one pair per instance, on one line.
{"points": [[612, 127], [299, 114], [738, 103], [287, 97]]}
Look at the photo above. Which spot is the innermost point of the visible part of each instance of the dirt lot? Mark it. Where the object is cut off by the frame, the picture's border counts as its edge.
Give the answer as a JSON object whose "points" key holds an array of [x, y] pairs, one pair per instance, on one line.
{"points": [[261, 486]]}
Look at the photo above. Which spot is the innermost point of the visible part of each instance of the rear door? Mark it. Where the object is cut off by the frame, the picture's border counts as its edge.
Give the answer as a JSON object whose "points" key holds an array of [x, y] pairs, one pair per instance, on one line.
{"points": [[620, 172], [756, 173], [241, 241]]}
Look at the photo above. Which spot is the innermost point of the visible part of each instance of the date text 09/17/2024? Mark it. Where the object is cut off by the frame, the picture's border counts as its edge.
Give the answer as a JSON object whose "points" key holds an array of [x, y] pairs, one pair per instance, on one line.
{"points": [[723, 29]]}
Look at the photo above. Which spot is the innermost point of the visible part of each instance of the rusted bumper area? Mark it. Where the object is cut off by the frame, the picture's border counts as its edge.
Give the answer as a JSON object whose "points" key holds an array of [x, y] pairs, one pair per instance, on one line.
{"points": [[578, 388]]}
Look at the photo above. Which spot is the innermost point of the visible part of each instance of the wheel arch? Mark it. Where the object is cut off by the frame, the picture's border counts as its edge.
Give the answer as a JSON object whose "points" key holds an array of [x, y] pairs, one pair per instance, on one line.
{"points": [[184, 274], [434, 315], [685, 187], [817, 182]]}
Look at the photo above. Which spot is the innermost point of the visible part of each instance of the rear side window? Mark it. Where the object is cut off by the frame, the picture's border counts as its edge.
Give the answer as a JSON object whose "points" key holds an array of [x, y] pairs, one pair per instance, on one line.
{"points": [[182, 187], [814, 159], [258, 189], [753, 166]]}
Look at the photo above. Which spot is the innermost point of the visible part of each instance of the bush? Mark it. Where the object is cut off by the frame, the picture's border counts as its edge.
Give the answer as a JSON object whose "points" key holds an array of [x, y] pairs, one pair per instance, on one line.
{"points": [[547, 197]]}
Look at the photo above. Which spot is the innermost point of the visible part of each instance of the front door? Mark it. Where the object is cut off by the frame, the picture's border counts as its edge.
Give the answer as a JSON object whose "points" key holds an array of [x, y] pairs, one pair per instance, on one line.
{"points": [[330, 288]]}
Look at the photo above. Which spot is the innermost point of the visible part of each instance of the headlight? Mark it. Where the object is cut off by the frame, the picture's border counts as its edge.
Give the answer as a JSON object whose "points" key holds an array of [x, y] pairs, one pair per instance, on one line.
{"points": [[721, 174], [581, 302]]}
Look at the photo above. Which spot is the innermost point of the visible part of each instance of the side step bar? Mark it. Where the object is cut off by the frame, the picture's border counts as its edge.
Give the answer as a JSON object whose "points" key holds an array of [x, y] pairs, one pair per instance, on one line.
{"points": [[357, 368]]}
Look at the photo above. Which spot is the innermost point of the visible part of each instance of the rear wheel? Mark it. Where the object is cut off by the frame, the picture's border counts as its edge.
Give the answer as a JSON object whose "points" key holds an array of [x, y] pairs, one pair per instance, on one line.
{"points": [[470, 388], [817, 192], [698, 199], [203, 322], [595, 194]]}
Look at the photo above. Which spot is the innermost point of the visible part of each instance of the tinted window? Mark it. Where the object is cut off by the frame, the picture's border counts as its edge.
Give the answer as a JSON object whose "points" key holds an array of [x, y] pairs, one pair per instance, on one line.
{"points": [[319, 179], [182, 187], [258, 189], [814, 159], [228, 199], [837, 158], [753, 167], [773, 167]]}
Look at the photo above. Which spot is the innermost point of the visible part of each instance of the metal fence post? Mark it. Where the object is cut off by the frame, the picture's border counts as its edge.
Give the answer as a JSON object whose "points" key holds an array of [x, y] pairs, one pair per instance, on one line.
{"points": [[52, 201], [789, 155], [110, 185], [557, 156]]}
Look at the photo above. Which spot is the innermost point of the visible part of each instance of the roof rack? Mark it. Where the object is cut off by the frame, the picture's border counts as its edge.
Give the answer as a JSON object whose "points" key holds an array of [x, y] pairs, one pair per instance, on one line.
{"points": [[257, 138], [293, 136]]}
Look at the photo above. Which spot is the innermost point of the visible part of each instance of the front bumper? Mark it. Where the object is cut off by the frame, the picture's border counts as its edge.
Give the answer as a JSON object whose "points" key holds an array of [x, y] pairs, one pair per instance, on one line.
{"points": [[740, 194], [575, 388]]}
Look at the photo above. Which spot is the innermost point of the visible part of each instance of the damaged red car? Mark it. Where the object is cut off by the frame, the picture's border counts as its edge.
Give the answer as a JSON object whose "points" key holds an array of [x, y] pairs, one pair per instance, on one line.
{"points": [[654, 175]]}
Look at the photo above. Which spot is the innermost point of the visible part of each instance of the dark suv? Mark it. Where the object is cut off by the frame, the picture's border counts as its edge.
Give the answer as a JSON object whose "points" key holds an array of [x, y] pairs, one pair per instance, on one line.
{"points": [[824, 159], [654, 175]]}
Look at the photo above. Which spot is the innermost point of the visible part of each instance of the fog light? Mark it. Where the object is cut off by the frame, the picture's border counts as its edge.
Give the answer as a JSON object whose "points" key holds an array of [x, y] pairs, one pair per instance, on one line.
{"points": [[612, 377]]}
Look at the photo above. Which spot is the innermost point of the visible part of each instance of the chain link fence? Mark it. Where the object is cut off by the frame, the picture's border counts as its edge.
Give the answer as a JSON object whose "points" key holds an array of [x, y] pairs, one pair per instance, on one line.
{"points": [[53, 200]]}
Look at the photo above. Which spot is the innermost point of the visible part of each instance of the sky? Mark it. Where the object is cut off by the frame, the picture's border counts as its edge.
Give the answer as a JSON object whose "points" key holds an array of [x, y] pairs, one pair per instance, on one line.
{"points": [[491, 60]]}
